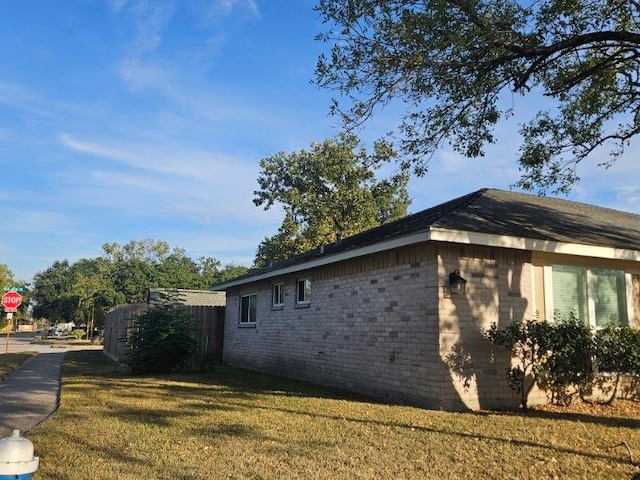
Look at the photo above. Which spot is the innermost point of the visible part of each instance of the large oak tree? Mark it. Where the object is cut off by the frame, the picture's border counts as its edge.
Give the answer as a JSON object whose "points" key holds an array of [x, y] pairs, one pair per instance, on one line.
{"points": [[327, 192], [453, 63]]}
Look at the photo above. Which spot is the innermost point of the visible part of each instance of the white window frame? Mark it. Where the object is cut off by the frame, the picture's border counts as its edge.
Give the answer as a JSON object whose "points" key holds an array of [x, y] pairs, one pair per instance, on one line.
{"points": [[277, 294], [591, 306], [306, 300], [249, 320]]}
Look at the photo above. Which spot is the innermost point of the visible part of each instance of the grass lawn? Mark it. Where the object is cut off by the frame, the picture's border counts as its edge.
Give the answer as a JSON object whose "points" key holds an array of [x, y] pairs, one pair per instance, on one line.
{"points": [[10, 361], [233, 424]]}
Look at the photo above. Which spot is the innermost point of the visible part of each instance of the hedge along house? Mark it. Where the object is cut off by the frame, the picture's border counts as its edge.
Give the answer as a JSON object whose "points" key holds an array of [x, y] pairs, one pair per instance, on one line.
{"points": [[399, 311]]}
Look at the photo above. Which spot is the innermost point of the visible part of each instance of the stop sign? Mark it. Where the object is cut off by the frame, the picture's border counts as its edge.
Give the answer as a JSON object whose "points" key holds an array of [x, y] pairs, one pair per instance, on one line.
{"points": [[11, 300]]}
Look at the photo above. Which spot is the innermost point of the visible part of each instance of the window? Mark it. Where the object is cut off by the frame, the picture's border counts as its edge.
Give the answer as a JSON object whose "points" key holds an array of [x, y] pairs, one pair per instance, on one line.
{"points": [[596, 296], [248, 307], [569, 286], [609, 296], [278, 294], [303, 295]]}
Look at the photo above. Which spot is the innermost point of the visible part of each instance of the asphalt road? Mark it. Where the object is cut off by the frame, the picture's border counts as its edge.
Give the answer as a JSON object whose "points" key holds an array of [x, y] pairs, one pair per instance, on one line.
{"points": [[21, 342]]}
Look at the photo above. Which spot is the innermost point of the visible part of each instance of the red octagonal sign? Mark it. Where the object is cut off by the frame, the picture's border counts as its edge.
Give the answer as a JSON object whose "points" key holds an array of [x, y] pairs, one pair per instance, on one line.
{"points": [[11, 300]]}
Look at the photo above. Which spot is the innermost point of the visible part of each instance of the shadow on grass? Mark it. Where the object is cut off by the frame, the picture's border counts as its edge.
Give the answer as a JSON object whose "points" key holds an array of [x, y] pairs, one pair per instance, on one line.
{"points": [[457, 434], [239, 384], [619, 422]]}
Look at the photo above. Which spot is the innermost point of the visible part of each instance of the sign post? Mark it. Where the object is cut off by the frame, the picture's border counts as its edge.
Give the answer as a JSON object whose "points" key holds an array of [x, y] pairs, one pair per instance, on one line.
{"points": [[10, 301]]}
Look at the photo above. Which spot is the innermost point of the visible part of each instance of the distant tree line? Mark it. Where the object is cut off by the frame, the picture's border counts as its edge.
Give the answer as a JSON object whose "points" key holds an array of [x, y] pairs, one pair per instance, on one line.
{"points": [[84, 290]]}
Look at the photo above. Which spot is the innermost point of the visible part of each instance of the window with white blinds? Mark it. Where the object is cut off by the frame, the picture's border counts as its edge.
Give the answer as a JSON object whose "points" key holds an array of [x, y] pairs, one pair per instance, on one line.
{"points": [[609, 296], [596, 296], [570, 292]]}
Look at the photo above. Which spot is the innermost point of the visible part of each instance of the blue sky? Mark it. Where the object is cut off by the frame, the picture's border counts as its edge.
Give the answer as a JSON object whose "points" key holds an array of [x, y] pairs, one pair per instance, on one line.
{"points": [[134, 119]]}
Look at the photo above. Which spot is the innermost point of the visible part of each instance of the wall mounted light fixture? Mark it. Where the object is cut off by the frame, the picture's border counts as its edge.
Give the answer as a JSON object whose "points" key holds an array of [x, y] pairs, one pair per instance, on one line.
{"points": [[457, 284]]}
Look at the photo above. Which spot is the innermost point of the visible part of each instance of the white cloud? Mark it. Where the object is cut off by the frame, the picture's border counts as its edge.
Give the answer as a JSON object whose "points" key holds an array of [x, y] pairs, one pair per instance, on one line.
{"points": [[150, 63], [212, 11], [151, 18], [165, 180], [43, 221], [185, 162], [117, 5], [147, 19]]}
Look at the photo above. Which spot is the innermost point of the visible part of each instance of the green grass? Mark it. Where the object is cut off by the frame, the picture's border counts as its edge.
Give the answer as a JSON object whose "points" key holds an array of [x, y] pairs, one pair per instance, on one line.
{"points": [[10, 361], [233, 424]]}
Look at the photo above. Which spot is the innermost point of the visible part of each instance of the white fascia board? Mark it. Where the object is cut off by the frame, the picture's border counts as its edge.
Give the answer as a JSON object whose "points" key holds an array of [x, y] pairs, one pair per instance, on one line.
{"points": [[329, 259], [518, 243], [453, 236]]}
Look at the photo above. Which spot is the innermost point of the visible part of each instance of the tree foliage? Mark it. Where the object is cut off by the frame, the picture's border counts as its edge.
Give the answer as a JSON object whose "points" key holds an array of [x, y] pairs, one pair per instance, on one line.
{"points": [[455, 62], [567, 370], [52, 295], [83, 291], [327, 192], [6, 276], [617, 353]]}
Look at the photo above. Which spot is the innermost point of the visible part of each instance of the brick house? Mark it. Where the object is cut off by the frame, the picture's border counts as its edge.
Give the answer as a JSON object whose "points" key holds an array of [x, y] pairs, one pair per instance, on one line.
{"points": [[375, 312]]}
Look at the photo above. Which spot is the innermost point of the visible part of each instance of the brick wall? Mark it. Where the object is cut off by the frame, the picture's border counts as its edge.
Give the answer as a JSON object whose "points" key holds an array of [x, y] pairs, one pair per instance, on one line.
{"points": [[384, 325], [498, 290]]}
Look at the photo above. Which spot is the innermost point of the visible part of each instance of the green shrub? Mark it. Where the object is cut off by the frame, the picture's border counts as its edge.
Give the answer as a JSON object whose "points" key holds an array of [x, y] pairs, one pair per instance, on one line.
{"points": [[161, 340], [528, 342], [565, 357], [567, 369], [77, 333], [617, 353]]}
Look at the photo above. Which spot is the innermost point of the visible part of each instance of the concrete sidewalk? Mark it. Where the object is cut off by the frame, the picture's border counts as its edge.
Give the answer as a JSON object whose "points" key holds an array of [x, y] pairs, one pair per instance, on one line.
{"points": [[30, 394]]}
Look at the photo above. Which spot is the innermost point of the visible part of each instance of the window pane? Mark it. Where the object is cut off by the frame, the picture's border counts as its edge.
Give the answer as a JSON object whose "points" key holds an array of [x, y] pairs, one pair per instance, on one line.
{"points": [[307, 290], [609, 296], [253, 300], [244, 310], [304, 290], [570, 292], [248, 306], [278, 294]]}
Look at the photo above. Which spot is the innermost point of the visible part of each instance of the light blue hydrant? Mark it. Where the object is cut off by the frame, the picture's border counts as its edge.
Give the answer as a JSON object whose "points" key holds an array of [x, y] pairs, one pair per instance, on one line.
{"points": [[16, 458]]}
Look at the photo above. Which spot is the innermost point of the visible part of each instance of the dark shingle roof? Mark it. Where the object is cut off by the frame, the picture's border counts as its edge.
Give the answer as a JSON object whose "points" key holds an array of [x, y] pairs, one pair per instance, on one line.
{"points": [[544, 218], [498, 212]]}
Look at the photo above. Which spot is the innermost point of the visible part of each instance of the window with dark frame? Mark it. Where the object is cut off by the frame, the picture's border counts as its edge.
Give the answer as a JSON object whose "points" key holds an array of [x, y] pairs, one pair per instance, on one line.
{"points": [[303, 295], [248, 309]]}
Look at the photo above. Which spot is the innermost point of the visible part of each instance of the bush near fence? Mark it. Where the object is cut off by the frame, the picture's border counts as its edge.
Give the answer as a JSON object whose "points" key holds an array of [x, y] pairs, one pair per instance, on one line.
{"points": [[209, 329]]}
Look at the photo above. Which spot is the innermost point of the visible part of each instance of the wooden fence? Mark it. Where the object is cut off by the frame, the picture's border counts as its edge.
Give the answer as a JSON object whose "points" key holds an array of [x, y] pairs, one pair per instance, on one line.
{"points": [[209, 329]]}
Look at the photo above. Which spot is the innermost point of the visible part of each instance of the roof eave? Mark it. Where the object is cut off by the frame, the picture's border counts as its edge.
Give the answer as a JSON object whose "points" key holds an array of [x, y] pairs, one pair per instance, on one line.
{"points": [[329, 259], [446, 235], [532, 244]]}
